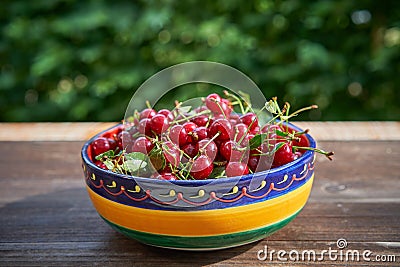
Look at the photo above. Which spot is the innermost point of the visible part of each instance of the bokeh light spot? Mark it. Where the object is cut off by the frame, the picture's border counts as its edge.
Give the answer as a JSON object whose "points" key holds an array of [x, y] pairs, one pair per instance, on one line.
{"points": [[164, 36], [80, 81], [31, 97], [354, 88], [64, 86], [392, 37], [361, 17]]}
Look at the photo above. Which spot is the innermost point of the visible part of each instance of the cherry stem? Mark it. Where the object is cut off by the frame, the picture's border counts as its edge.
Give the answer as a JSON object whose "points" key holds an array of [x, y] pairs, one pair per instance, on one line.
{"points": [[219, 106], [247, 131], [306, 131], [237, 100], [320, 151], [209, 120], [286, 118], [274, 118], [190, 117], [287, 108], [148, 104], [275, 99], [209, 141]]}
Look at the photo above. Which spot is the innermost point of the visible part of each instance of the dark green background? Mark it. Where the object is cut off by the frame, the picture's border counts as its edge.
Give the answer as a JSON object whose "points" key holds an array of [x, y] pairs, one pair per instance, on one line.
{"points": [[82, 60]]}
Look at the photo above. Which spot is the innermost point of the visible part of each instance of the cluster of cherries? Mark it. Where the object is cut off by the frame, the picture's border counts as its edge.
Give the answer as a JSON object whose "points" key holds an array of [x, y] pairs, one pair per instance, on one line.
{"points": [[193, 144]]}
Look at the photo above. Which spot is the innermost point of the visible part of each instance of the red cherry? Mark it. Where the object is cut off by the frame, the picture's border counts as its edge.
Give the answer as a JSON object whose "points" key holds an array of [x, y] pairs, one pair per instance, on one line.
{"points": [[168, 114], [200, 120], [200, 133], [303, 142], [143, 145], [144, 126], [227, 107], [297, 155], [236, 169], [185, 135], [200, 109], [232, 152], [259, 163], [125, 137], [216, 117], [250, 119], [264, 148], [210, 150], [226, 101], [147, 113], [283, 155], [100, 145], [218, 105], [166, 176], [234, 116], [223, 109], [167, 168], [234, 119], [270, 129], [171, 153], [211, 102], [101, 165], [201, 168], [256, 130], [133, 130], [253, 162], [113, 143], [239, 131], [159, 123], [190, 149], [119, 129], [174, 134], [222, 126]]}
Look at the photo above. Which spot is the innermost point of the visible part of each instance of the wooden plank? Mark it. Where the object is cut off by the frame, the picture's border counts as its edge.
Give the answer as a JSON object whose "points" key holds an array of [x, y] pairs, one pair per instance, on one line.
{"points": [[352, 131], [322, 131], [45, 131]]}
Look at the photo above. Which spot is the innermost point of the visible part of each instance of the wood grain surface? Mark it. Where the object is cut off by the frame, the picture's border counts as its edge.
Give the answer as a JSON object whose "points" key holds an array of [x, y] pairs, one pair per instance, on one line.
{"points": [[47, 218]]}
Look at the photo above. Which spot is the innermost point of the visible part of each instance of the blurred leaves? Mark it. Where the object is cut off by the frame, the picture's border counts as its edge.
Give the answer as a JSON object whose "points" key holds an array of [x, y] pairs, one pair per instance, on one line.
{"points": [[69, 60]]}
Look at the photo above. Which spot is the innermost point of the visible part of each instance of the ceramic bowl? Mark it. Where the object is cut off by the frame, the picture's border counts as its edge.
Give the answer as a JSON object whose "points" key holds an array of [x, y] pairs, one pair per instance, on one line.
{"points": [[200, 214]]}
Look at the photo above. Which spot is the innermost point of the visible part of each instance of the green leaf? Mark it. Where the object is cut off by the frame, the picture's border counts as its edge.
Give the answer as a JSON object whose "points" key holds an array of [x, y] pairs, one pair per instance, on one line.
{"points": [[109, 164], [136, 156], [134, 161], [157, 159], [134, 165], [185, 109], [280, 133], [108, 154], [218, 172], [257, 140]]}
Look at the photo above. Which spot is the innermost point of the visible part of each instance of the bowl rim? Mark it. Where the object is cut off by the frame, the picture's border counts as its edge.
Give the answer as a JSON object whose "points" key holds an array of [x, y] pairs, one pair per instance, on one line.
{"points": [[307, 155]]}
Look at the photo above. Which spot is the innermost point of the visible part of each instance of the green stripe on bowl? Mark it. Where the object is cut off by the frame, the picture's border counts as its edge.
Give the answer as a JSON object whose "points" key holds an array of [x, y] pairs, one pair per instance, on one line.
{"points": [[202, 242]]}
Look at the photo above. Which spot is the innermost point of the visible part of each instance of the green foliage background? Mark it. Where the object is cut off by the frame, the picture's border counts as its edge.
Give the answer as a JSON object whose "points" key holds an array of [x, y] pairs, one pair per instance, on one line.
{"points": [[69, 60]]}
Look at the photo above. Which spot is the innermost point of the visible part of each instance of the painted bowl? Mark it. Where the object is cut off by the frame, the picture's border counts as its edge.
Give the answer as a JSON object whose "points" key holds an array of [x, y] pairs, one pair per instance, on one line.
{"points": [[200, 214]]}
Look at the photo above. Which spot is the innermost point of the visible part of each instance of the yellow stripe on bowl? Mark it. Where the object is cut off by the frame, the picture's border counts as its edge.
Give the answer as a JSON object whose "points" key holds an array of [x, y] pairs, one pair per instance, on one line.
{"points": [[204, 222]]}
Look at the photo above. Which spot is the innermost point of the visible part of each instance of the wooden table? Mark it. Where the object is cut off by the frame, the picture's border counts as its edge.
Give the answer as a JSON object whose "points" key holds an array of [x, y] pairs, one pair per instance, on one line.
{"points": [[47, 218]]}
